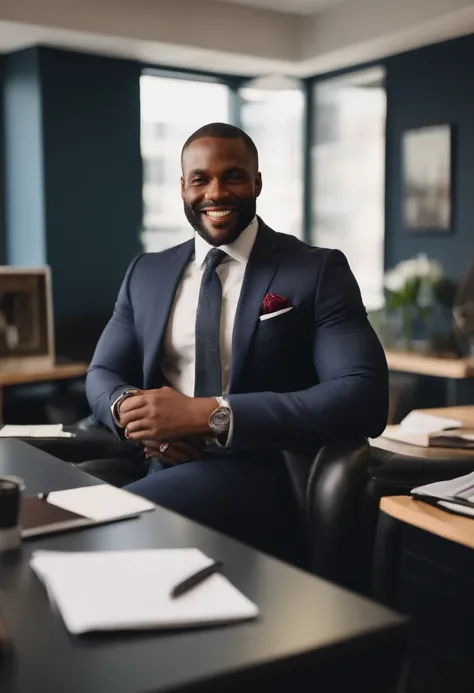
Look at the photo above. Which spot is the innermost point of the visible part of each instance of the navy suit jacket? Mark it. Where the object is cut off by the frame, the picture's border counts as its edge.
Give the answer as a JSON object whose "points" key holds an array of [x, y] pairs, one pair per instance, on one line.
{"points": [[310, 375]]}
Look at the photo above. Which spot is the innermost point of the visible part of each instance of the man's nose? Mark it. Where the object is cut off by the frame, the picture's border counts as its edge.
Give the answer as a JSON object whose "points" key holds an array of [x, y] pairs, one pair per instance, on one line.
{"points": [[215, 190]]}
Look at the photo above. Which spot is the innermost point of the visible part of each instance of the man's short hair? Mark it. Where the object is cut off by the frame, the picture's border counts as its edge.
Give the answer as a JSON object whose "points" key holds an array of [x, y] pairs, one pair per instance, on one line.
{"points": [[222, 131]]}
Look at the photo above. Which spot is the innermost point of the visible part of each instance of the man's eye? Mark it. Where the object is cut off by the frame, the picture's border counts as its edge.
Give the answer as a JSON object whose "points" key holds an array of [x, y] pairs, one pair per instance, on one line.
{"points": [[197, 181], [235, 176]]}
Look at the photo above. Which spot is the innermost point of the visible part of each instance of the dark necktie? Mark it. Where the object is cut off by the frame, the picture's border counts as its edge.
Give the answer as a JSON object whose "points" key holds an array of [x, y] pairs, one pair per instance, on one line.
{"points": [[208, 377]]}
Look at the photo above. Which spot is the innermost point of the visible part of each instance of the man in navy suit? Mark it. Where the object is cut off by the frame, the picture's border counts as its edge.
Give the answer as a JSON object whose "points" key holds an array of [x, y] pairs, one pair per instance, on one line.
{"points": [[232, 347]]}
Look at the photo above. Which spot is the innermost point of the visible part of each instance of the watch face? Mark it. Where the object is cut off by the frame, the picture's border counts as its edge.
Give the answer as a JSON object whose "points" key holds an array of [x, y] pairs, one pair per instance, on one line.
{"points": [[220, 420]]}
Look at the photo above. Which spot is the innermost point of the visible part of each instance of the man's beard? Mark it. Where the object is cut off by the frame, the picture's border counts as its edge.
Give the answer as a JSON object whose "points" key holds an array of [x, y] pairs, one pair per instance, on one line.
{"points": [[245, 210]]}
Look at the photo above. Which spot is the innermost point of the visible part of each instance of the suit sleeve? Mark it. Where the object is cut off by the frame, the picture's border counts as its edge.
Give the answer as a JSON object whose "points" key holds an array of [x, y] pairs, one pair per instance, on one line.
{"points": [[116, 364], [352, 395]]}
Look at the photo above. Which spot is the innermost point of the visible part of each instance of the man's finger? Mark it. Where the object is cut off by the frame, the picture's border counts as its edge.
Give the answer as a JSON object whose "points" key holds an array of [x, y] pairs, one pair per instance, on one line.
{"points": [[139, 435], [135, 415], [177, 451], [131, 403], [190, 451], [173, 456]]}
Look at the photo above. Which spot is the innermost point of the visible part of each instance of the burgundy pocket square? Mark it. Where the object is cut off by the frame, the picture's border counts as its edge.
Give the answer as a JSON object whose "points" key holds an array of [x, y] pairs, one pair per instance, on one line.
{"points": [[273, 303]]}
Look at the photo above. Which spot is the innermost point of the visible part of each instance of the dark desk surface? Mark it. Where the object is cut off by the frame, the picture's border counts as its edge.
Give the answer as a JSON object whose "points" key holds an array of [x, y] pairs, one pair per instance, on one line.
{"points": [[307, 627]]}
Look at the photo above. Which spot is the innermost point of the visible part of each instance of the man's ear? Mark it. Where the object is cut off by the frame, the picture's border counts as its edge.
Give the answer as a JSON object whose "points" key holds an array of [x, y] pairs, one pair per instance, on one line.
{"points": [[182, 187], [258, 184]]}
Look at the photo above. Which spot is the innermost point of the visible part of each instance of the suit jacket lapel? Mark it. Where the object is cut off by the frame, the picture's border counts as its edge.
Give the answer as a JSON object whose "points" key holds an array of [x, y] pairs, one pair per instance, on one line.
{"points": [[162, 302], [262, 265]]}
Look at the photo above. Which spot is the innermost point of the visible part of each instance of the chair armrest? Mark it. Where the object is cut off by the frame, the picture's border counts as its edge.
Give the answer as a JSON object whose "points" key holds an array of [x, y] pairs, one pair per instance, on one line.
{"points": [[396, 468], [91, 441], [340, 519]]}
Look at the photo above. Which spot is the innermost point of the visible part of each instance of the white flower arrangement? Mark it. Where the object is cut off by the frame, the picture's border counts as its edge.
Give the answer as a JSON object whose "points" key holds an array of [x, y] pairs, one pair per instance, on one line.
{"points": [[413, 290], [414, 271]]}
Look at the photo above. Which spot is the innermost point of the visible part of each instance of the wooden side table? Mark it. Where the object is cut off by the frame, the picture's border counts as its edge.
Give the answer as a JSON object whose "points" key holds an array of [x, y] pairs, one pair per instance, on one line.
{"points": [[465, 414], [424, 567], [60, 371], [450, 368]]}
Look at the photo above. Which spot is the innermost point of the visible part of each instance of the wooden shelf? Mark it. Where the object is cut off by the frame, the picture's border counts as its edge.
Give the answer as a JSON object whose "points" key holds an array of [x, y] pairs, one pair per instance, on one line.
{"points": [[61, 371], [422, 364]]}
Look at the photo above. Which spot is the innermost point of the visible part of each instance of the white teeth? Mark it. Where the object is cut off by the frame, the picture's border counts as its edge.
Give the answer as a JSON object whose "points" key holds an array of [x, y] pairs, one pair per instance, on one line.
{"points": [[218, 215]]}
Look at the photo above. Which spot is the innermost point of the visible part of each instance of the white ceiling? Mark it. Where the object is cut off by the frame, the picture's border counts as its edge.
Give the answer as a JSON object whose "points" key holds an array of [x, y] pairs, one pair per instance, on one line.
{"points": [[304, 7], [261, 41]]}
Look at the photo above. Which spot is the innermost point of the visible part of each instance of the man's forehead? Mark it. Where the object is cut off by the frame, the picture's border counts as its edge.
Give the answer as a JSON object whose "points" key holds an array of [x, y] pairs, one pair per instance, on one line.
{"points": [[216, 152]]}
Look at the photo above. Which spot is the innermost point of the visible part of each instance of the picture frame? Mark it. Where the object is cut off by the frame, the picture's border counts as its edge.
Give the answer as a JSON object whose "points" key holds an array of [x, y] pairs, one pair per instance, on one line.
{"points": [[427, 186], [26, 319]]}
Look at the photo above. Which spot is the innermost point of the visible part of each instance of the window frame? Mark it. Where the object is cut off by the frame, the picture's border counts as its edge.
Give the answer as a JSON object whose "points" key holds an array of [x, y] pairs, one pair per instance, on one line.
{"points": [[236, 82], [310, 129]]}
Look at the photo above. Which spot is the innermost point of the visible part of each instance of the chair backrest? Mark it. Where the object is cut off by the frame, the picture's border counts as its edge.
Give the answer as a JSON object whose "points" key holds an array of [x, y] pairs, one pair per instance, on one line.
{"points": [[340, 520]]}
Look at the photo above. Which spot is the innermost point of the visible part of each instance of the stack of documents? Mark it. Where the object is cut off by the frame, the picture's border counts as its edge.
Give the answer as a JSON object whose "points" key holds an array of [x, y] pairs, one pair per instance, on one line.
{"points": [[456, 495], [132, 590], [427, 430]]}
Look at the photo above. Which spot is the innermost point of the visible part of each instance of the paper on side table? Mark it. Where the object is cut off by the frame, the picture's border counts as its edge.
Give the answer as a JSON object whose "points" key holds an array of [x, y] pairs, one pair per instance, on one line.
{"points": [[420, 422], [417, 427], [40, 431]]}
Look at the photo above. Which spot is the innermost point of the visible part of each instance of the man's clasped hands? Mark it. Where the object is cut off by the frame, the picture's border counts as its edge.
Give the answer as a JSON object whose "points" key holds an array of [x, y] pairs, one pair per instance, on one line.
{"points": [[171, 426]]}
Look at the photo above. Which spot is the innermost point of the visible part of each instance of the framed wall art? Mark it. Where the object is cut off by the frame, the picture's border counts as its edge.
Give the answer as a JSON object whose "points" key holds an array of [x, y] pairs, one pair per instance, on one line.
{"points": [[26, 319], [427, 179]]}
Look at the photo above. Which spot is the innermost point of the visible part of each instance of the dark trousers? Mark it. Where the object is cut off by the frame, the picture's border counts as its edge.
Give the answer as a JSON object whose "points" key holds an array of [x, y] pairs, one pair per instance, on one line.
{"points": [[244, 495]]}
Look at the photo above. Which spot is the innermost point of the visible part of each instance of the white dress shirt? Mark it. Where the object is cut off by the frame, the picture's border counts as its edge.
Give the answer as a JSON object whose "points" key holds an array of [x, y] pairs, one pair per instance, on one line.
{"points": [[179, 356]]}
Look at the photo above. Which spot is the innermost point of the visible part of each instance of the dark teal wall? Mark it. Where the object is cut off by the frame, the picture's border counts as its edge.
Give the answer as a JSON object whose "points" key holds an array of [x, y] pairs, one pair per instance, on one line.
{"points": [[431, 86], [93, 176], [3, 61], [73, 132], [25, 242]]}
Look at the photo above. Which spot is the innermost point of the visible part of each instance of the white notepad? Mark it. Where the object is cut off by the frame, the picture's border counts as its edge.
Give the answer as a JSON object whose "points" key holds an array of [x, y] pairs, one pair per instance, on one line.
{"points": [[131, 590], [101, 502], [33, 431]]}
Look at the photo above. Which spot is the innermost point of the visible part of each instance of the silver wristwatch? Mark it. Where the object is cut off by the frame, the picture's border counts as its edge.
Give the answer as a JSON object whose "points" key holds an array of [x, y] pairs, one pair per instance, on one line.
{"points": [[118, 402], [219, 420]]}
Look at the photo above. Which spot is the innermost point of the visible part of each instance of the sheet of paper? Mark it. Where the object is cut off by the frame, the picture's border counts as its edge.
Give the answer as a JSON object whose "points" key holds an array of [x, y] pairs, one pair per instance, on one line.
{"points": [[419, 422], [40, 431], [458, 509], [396, 433], [448, 489], [89, 590], [101, 502]]}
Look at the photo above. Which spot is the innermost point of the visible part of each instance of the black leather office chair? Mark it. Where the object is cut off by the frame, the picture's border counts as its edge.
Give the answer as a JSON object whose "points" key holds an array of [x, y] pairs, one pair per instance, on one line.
{"points": [[338, 493], [331, 493]]}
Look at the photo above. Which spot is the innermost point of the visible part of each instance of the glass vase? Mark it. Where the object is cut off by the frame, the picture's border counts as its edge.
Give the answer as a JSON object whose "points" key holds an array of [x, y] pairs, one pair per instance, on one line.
{"points": [[407, 319]]}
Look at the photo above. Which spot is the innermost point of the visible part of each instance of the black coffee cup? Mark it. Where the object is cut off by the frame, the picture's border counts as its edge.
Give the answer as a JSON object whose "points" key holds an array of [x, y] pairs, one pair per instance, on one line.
{"points": [[11, 488]]}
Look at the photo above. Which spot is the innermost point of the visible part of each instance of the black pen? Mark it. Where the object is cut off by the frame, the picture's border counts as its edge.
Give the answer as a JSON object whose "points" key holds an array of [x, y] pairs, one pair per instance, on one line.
{"points": [[195, 579]]}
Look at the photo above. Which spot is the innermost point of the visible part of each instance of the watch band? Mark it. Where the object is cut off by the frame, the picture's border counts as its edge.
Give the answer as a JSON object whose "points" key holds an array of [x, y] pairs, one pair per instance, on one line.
{"points": [[116, 405]]}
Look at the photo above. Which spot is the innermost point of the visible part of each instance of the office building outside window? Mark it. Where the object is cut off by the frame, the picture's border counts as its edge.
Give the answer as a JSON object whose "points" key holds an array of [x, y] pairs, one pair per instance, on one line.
{"points": [[171, 110], [348, 170], [272, 113]]}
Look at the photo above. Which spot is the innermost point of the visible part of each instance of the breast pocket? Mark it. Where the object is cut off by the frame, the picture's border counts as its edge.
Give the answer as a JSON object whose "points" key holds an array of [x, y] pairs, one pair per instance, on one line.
{"points": [[281, 323], [279, 352]]}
